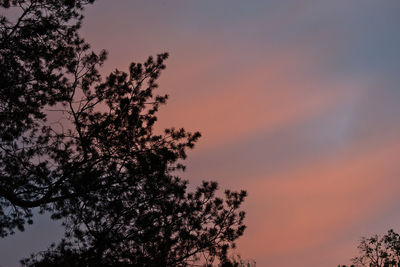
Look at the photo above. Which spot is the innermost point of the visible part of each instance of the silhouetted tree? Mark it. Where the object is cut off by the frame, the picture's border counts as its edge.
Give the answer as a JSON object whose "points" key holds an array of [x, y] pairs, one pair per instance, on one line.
{"points": [[237, 261], [378, 251], [152, 223], [42, 63], [85, 150]]}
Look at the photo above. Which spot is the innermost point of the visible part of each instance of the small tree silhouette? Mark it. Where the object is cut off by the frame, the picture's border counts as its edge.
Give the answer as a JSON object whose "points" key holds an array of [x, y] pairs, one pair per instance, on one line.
{"points": [[378, 251]]}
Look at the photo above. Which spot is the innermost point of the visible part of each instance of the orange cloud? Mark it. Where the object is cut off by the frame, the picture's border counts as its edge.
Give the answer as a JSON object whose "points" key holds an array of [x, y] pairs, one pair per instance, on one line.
{"points": [[265, 98], [304, 208]]}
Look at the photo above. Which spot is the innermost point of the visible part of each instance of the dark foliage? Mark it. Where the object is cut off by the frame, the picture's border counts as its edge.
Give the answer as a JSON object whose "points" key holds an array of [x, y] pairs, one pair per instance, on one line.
{"points": [[154, 224], [42, 62], [378, 251], [85, 150]]}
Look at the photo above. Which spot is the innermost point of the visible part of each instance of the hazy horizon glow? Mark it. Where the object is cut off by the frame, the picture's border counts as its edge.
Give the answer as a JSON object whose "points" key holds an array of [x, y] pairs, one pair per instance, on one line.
{"points": [[297, 102]]}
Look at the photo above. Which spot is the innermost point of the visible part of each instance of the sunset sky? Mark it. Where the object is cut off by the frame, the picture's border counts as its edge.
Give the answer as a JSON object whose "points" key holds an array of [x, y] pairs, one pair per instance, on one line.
{"points": [[297, 102]]}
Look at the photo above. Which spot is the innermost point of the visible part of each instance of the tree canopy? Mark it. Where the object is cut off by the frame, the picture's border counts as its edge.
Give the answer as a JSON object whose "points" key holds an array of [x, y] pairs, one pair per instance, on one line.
{"points": [[40, 53], [83, 148], [378, 251]]}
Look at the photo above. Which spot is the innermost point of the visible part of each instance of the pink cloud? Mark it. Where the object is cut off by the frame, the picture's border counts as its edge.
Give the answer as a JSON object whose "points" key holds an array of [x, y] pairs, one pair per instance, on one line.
{"points": [[305, 208], [265, 98]]}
